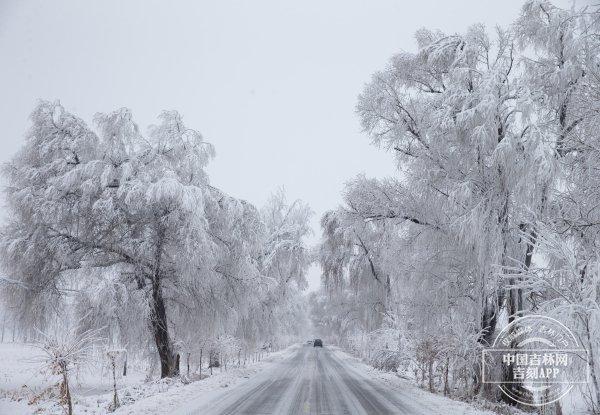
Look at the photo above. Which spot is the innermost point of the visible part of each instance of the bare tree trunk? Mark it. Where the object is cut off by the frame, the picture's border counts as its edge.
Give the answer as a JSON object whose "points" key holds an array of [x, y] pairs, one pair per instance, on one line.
{"points": [[514, 303], [188, 363], [66, 392], [446, 370], [488, 327], [114, 374], [514, 306], [430, 374], [158, 314], [158, 319]]}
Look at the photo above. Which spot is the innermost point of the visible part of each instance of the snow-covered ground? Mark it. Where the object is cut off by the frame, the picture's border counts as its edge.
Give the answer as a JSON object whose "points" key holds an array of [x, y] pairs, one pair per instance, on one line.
{"points": [[298, 379], [572, 403], [168, 396], [21, 382]]}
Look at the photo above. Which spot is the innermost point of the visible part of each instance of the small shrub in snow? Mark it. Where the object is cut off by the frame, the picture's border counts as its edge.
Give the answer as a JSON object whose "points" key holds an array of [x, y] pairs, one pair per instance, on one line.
{"points": [[61, 354]]}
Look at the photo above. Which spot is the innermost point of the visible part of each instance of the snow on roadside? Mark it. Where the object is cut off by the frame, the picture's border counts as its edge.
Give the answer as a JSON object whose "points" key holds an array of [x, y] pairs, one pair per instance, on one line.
{"points": [[22, 381], [148, 398], [438, 405], [159, 402]]}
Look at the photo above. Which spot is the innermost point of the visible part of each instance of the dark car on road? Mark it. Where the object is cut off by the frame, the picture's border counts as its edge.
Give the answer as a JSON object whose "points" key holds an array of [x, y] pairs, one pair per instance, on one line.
{"points": [[318, 343]]}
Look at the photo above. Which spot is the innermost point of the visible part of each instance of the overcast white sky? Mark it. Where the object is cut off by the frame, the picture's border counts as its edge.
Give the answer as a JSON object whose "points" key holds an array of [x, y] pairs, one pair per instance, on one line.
{"points": [[272, 84]]}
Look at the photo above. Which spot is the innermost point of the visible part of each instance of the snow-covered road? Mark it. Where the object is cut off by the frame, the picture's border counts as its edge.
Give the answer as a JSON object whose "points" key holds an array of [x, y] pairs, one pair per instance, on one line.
{"points": [[311, 381]]}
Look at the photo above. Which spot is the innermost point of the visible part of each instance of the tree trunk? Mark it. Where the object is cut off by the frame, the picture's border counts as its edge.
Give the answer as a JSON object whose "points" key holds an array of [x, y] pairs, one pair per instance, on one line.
{"points": [[488, 327], [114, 375], [514, 308], [66, 392], [514, 302], [188, 364], [158, 319], [430, 374], [446, 370]]}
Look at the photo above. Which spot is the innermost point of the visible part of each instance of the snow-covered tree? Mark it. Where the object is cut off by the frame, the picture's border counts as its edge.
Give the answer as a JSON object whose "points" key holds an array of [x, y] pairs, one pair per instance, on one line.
{"points": [[495, 139], [124, 231]]}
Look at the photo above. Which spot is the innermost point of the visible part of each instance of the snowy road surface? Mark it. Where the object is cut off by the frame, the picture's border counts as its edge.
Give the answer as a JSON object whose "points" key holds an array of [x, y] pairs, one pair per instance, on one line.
{"points": [[311, 381]]}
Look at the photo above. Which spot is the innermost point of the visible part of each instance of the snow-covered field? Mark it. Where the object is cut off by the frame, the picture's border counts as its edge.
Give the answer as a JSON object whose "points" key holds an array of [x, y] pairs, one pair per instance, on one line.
{"points": [[21, 382], [25, 388]]}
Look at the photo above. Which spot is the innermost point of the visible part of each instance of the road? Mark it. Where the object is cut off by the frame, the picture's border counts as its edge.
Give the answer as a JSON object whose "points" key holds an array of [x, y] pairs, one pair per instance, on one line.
{"points": [[313, 381]]}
